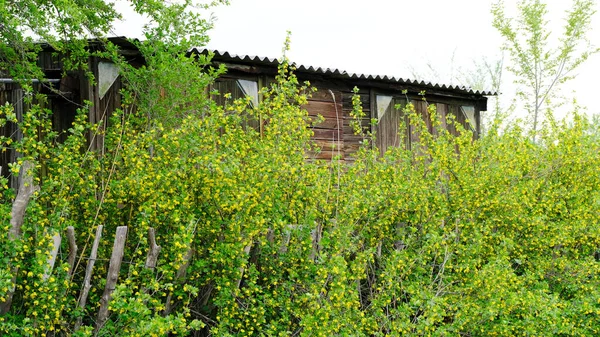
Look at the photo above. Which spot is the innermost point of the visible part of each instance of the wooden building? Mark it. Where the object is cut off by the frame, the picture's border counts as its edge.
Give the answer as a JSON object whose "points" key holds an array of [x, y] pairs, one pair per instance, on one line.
{"points": [[333, 100], [245, 75]]}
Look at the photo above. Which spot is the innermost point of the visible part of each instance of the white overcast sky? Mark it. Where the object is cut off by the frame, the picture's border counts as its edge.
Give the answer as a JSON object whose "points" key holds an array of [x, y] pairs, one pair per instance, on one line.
{"points": [[386, 37]]}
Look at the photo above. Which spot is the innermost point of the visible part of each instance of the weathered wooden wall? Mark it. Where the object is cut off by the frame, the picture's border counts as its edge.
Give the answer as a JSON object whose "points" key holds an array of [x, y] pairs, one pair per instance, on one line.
{"points": [[13, 94], [336, 137], [352, 142], [328, 134], [64, 98], [333, 101], [101, 108]]}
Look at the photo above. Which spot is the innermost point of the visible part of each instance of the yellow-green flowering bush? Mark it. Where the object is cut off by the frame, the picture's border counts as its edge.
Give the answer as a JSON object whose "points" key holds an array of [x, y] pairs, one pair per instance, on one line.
{"points": [[495, 237], [455, 237]]}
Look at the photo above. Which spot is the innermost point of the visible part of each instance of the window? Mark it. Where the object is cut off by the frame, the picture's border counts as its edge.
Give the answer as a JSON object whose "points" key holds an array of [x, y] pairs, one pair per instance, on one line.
{"points": [[238, 88], [468, 112], [393, 128], [107, 75], [249, 88]]}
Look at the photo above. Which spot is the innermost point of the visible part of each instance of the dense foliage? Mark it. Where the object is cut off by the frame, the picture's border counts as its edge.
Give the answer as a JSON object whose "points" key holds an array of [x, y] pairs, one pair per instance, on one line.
{"points": [[494, 237]]}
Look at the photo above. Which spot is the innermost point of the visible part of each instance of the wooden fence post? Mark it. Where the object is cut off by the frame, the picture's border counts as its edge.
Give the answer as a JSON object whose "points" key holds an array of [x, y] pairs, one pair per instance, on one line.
{"points": [[56, 240], [153, 251], [113, 274], [287, 236], [317, 235], [242, 270], [179, 276], [88, 274], [72, 249], [26, 190]]}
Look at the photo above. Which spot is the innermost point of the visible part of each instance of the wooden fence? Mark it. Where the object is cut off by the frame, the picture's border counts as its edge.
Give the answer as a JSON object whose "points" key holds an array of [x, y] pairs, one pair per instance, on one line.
{"points": [[24, 193]]}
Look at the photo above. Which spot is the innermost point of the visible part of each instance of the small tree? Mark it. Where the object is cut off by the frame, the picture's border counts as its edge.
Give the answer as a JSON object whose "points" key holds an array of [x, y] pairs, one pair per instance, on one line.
{"points": [[539, 67], [486, 75]]}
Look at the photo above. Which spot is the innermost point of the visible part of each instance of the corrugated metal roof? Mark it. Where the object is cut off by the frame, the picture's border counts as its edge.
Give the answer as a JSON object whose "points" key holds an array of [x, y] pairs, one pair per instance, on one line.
{"points": [[126, 43], [340, 73]]}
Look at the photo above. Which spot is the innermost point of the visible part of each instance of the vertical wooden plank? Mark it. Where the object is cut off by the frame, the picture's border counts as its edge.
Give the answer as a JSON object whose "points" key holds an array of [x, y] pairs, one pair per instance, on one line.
{"points": [[262, 82], [352, 142], [153, 250], [247, 249], [6, 131], [24, 193], [373, 114], [384, 124], [72, 249], [88, 275], [464, 121], [414, 135], [452, 111], [402, 125], [339, 118], [18, 106], [180, 275], [442, 111], [118, 87], [19, 206], [434, 123], [89, 92], [98, 111], [421, 108], [477, 121], [316, 235], [85, 95], [56, 240], [114, 267]]}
